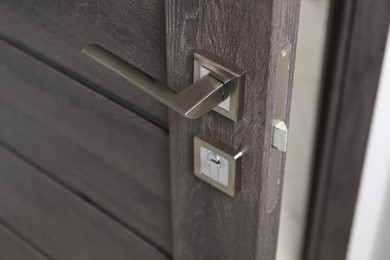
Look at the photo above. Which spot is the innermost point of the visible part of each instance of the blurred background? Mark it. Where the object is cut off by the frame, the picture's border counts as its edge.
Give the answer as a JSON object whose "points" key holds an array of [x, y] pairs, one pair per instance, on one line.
{"points": [[314, 223]]}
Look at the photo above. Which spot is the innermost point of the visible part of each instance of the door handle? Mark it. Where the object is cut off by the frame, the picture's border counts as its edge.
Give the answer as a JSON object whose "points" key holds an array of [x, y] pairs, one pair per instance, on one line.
{"points": [[199, 98]]}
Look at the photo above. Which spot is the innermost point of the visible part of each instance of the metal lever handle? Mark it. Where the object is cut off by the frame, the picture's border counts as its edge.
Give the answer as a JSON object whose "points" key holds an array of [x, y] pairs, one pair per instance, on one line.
{"points": [[194, 101]]}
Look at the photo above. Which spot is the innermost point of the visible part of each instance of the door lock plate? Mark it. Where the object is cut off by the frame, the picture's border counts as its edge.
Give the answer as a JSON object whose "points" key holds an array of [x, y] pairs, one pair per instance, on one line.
{"points": [[217, 164]]}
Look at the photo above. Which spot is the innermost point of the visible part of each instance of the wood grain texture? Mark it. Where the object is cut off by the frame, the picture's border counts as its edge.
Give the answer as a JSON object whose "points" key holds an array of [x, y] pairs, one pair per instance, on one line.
{"points": [[12, 247], [59, 222], [208, 224], [58, 30], [356, 42], [104, 152]]}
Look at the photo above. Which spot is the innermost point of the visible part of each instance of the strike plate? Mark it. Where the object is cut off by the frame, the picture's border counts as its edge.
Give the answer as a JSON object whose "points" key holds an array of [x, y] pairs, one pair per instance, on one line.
{"points": [[204, 63], [280, 131]]}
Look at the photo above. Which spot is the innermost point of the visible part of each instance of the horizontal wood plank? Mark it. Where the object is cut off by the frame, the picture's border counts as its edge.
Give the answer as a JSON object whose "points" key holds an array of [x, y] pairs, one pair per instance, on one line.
{"points": [[109, 155], [59, 222], [12, 247], [58, 30]]}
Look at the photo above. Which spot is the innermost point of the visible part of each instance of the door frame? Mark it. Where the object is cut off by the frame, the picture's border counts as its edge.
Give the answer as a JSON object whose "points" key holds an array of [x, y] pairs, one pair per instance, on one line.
{"points": [[356, 41]]}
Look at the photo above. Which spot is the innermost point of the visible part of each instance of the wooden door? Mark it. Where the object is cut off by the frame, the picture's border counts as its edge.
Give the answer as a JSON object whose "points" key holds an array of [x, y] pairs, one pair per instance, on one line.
{"points": [[93, 168]]}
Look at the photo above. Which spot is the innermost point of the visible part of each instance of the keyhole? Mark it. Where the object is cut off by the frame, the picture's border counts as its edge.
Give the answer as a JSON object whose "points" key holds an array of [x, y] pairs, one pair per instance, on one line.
{"points": [[214, 164], [214, 159]]}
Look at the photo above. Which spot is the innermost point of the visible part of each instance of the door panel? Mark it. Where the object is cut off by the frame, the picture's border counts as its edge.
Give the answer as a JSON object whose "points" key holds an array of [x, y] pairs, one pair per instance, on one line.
{"points": [[109, 155], [73, 230], [93, 175], [13, 247], [58, 30]]}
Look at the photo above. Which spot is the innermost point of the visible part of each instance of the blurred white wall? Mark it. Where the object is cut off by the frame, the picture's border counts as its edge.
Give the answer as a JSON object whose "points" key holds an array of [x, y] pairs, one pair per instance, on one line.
{"points": [[308, 67], [370, 236]]}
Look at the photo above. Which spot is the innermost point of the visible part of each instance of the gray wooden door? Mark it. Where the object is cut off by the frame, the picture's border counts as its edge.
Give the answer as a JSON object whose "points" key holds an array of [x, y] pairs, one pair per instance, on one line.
{"points": [[93, 168]]}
